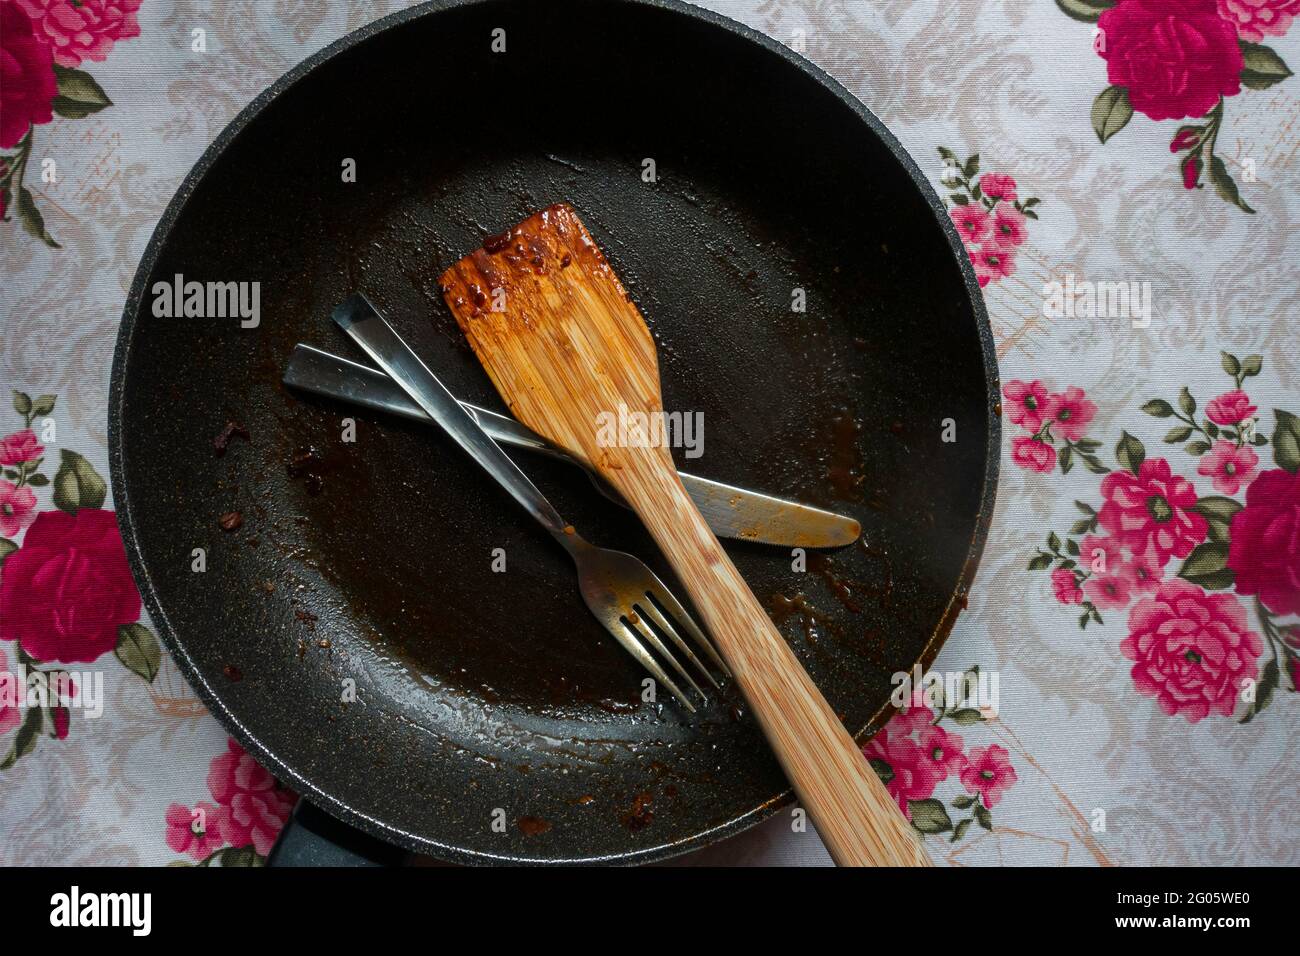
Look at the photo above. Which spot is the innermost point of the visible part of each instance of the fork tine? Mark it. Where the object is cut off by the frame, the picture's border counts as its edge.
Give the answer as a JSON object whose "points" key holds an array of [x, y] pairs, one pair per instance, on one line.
{"points": [[670, 606], [648, 609], [647, 634], [630, 641]]}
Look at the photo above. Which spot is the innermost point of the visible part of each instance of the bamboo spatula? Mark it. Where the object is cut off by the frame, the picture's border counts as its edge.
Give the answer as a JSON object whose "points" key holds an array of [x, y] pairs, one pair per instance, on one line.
{"points": [[564, 345]]}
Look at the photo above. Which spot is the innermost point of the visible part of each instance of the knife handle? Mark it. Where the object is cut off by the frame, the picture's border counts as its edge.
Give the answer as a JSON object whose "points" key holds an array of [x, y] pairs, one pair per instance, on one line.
{"points": [[856, 818], [732, 512], [332, 376]]}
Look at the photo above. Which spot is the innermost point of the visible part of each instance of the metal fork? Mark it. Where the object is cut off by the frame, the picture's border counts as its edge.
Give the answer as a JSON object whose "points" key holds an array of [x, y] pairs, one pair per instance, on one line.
{"points": [[620, 590]]}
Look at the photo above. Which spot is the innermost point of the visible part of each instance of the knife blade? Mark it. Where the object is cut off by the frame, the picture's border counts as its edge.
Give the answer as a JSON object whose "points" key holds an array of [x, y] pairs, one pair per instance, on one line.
{"points": [[730, 511]]}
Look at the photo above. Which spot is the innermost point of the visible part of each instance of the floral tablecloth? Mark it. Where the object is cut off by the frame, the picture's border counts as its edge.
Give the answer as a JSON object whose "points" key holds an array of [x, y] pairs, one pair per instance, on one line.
{"points": [[1125, 175]]}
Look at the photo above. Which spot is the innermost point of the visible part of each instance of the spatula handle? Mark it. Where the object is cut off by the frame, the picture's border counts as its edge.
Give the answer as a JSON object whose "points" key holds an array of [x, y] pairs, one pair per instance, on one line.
{"points": [[858, 821]]}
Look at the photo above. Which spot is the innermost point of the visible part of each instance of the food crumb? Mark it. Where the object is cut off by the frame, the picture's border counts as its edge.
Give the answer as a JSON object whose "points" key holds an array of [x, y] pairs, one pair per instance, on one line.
{"points": [[532, 826], [222, 441], [309, 465], [640, 815]]}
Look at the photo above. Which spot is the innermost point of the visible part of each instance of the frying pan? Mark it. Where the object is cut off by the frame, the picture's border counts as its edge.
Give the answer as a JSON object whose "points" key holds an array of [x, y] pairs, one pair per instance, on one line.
{"points": [[352, 633]]}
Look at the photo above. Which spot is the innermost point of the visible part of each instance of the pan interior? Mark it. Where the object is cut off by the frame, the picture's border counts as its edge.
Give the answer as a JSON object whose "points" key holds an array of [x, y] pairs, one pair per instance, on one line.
{"points": [[728, 187]]}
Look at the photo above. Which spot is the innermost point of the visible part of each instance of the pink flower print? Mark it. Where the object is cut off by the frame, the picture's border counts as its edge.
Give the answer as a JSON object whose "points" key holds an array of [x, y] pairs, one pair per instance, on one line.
{"points": [[63, 691], [17, 508], [27, 82], [254, 806], [1152, 509], [197, 832], [68, 589], [1026, 402], [1070, 413], [1066, 587], [11, 691], [913, 777], [1109, 590], [1192, 651], [988, 774], [1254, 19], [993, 263], [1008, 227], [943, 751], [62, 718], [82, 29], [1143, 573], [1175, 58], [912, 719], [19, 447], [1264, 548], [1184, 139], [972, 221], [1230, 408], [1227, 466], [998, 186], [1033, 454], [1099, 554]]}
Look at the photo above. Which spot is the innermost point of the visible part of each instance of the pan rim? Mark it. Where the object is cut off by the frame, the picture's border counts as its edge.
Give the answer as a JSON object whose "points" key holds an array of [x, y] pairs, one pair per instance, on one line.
{"points": [[212, 699]]}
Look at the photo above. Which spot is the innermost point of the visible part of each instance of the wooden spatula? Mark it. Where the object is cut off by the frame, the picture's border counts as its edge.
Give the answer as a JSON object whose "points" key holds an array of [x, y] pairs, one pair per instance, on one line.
{"points": [[565, 346]]}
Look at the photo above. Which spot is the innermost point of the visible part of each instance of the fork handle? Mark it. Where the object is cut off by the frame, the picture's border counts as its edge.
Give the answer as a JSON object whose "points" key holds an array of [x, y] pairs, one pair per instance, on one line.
{"points": [[370, 330], [857, 819]]}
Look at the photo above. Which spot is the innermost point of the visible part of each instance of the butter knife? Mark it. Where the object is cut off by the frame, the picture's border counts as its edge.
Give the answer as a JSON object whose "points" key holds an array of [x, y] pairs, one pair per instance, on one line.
{"points": [[730, 511]]}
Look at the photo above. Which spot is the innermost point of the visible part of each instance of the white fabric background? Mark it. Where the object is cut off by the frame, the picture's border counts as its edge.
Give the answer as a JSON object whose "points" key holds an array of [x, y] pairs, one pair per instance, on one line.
{"points": [[1011, 79]]}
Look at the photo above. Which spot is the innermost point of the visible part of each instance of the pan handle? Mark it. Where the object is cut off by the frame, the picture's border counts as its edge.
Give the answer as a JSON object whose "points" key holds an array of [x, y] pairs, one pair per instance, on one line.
{"points": [[311, 837]]}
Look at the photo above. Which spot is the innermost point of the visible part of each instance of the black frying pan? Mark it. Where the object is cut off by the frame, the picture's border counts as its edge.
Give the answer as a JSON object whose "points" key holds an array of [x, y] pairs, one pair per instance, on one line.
{"points": [[479, 691]]}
